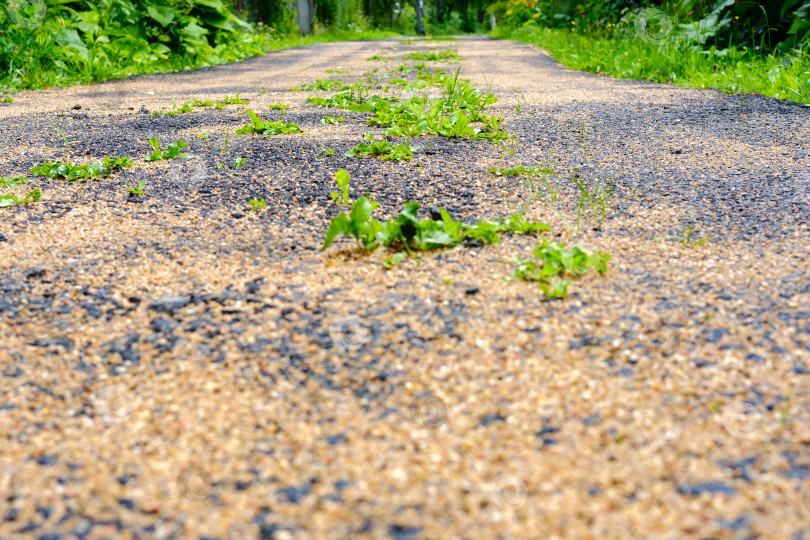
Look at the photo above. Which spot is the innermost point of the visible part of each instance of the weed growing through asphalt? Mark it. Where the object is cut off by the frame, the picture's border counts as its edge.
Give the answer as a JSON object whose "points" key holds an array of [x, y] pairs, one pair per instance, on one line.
{"points": [[509, 145], [393, 261], [8, 182], [597, 193], [556, 261], [172, 151], [408, 232], [203, 136], [137, 191], [7, 100], [336, 71], [231, 101], [325, 85], [279, 107], [377, 58], [518, 108], [382, 149], [60, 132], [257, 204], [325, 152], [521, 169], [685, 238], [268, 128], [12, 200], [334, 120], [239, 162], [342, 178], [71, 171], [227, 140], [450, 55]]}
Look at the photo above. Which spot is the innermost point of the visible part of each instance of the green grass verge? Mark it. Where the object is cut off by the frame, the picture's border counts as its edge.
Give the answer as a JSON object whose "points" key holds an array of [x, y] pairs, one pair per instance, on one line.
{"points": [[782, 74], [86, 65]]}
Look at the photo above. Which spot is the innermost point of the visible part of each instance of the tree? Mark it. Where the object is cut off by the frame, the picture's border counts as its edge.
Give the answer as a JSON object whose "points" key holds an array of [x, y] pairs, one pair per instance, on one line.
{"points": [[305, 16], [420, 27]]}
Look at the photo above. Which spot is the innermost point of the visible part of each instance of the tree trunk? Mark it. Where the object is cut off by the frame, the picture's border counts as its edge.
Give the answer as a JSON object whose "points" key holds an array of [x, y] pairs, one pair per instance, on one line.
{"points": [[420, 27], [305, 13]]}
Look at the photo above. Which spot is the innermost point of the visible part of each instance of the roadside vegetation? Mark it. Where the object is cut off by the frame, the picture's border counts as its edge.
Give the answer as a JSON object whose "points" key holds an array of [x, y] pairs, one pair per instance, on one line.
{"points": [[744, 47]]}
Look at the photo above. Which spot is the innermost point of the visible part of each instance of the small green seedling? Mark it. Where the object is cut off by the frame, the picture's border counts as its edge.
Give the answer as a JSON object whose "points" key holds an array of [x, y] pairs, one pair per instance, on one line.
{"points": [[686, 235], [336, 71], [11, 200], [257, 204], [326, 153], [279, 107], [331, 120], [325, 85], [71, 171], [202, 136], [239, 162], [172, 151], [227, 140], [382, 149], [343, 179], [520, 169], [7, 182], [7, 100], [137, 191], [450, 55], [231, 101], [61, 134], [557, 260], [220, 165], [377, 58], [518, 108], [262, 91], [391, 262], [268, 128]]}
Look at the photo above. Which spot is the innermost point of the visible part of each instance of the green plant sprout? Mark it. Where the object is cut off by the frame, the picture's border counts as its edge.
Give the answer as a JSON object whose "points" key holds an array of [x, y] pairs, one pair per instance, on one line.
{"points": [[59, 131], [331, 120], [279, 107], [8, 182], [382, 149], [12, 200], [326, 152], [557, 261], [137, 191], [257, 204], [71, 171], [172, 151], [268, 128], [231, 101], [343, 179], [239, 162]]}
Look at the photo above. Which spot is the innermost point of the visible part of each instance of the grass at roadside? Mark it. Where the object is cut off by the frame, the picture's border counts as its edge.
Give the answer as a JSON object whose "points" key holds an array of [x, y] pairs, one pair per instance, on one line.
{"points": [[782, 74], [81, 65]]}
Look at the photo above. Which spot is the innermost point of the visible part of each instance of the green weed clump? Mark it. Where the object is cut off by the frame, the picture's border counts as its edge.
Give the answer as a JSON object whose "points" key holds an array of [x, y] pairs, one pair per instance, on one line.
{"points": [[382, 149], [12, 200], [269, 128], [555, 261], [73, 172], [172, 151], [410, 233]]}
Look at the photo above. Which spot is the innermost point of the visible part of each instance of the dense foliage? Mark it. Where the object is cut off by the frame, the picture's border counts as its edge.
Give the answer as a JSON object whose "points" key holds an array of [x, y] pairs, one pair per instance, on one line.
{"points": [[718, 23], [58, 42]]}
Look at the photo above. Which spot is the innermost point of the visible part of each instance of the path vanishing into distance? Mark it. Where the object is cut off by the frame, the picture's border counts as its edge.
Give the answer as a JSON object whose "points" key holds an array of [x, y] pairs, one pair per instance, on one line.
{"points": [[177, 366]]}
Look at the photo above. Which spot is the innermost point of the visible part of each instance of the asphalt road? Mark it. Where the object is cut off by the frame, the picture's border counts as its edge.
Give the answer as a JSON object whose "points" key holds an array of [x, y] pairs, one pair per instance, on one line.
{"points": [[178, 366]]}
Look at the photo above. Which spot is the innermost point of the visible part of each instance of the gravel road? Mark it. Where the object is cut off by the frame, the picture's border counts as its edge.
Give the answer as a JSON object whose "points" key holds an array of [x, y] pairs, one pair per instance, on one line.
{"points": [[177, 366]]}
